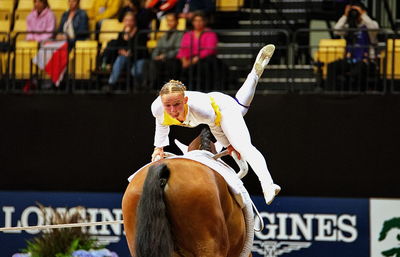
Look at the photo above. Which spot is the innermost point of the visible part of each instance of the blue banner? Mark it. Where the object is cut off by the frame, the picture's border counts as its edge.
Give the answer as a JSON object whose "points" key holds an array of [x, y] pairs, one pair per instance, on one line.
{"points": [[318, 227], [21, 209], [294, 226]]}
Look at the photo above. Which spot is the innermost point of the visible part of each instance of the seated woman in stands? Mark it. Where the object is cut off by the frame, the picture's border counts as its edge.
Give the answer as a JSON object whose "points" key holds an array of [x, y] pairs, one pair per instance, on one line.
{"points": [[41, 19], [198, 48], [73, 25], [164, 63], [128, 50]]}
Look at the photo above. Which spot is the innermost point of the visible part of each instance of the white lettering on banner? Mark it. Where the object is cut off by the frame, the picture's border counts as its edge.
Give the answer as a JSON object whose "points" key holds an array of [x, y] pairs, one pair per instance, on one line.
{"points": [[305, 227], [8, 212], [282, 226], [25, 218], [296, 227], [106, 216], [348, 228], [330, 227], [271, 227], [93, 217], [326, 227], [107, 233], [118, 216]]}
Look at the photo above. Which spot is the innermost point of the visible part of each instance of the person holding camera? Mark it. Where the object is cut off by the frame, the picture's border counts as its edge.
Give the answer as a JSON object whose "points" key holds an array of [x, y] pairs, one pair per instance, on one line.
{"points": [[359, 30], [358, 67]]}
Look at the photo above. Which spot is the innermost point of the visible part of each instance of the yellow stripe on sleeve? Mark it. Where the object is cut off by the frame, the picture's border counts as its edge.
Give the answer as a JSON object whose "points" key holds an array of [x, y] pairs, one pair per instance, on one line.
{"points": [[218, 115]]}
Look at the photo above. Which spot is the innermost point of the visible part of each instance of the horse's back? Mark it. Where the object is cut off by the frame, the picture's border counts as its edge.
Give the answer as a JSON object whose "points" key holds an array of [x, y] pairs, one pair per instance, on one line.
{"points": [[202, 213]]}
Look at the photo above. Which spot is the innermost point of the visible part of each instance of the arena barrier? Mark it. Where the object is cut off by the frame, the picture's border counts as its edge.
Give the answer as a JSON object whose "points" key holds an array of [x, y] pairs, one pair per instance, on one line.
{"points": [[294, 226]]}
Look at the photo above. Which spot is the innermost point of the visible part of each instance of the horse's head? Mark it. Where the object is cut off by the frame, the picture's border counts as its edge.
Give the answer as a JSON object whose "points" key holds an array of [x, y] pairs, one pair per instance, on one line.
{"points": [[203, 142]]}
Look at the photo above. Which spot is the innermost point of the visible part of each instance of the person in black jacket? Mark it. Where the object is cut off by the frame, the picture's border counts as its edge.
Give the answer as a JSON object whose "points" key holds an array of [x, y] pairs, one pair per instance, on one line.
{"points": [[73, 25], [129, 49]]}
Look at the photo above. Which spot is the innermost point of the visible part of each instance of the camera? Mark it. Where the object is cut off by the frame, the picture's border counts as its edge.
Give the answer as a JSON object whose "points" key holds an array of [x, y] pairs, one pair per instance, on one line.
{"points": [[353, 17]]}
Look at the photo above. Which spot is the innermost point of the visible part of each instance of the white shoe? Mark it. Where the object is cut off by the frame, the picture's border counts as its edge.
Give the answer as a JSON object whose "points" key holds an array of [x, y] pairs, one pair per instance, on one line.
{"points": [[270, 191], [263, 58]]}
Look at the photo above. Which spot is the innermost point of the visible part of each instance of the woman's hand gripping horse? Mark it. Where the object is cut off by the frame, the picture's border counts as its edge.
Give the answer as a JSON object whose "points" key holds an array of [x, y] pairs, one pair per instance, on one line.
{"points": [[179, 207]]}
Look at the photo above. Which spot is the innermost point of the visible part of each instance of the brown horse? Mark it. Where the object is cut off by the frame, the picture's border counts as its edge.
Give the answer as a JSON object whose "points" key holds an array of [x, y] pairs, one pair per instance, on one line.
{"points": [[179, 207]]}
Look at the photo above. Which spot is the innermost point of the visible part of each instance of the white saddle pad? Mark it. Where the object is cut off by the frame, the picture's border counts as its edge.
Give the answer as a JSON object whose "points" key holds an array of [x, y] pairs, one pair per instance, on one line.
{"points": [[205, 157]]}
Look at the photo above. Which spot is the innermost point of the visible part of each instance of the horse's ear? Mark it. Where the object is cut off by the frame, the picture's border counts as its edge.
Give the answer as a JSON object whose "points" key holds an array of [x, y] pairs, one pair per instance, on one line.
{"points": [[182, 147]]}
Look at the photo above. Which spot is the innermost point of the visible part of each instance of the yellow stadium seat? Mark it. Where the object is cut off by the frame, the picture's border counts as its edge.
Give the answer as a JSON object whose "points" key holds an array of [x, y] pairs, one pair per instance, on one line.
{"points": [[21, 14], [6, 9], [109, 30], [229, 5], [330, 50], [84, 60], [389, 59], [5, 15], [58, 5], [7, 5], [19, 26], [5, 26], [92, 27], [4, 32], [58, 14], [86, 4], [164, 25], [25, 5], [152, 42], [24, 52], [3, 62], [4, 29]]}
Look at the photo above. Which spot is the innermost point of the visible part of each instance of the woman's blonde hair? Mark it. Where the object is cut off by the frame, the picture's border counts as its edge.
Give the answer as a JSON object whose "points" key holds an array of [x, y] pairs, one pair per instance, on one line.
{"points": [[173, 86]]}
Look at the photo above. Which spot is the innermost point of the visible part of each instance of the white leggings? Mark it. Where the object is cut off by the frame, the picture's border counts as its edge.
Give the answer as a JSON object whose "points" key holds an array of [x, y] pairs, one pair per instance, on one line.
{"points": [[236, 131]]}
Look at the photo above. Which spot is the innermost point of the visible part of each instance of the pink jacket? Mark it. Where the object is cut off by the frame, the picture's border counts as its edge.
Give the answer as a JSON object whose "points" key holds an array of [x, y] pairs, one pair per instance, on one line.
{"points": [[46, 21], [204, 46]]}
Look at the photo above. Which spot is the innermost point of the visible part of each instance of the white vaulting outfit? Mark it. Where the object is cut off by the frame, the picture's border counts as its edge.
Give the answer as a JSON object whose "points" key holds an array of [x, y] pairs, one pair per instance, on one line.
{"points": [[224, 115]]}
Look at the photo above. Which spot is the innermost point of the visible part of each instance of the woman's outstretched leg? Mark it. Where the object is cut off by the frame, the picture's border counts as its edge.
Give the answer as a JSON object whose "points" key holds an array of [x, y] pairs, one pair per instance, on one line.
{"points": [[245, 94]]}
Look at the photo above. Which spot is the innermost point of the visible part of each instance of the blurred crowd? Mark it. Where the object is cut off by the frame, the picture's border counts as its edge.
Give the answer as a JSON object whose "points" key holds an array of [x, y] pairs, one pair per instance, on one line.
{"points": [[151, 41]]}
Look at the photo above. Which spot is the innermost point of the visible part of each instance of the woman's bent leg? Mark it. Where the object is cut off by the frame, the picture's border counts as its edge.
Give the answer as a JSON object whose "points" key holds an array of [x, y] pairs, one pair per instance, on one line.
{"points": [[236, 131]]}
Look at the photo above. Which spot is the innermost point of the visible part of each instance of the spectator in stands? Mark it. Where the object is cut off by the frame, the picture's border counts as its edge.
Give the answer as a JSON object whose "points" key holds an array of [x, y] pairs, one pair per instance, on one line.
{"points": [[164, 62], [143, 16], [128, 48], [161, 7], [104, 9], [187, 8], [73, 24], [198, 44], [358, 68], [39, 20], [198, 48], [359, 42]]}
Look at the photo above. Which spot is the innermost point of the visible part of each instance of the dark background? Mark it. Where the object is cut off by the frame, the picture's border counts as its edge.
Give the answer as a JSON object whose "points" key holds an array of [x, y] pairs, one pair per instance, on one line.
{"points": [[315, 145]]}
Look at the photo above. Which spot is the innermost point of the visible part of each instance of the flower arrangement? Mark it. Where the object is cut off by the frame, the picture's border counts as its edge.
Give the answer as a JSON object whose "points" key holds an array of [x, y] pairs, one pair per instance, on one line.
{"points": [[64, 242]]}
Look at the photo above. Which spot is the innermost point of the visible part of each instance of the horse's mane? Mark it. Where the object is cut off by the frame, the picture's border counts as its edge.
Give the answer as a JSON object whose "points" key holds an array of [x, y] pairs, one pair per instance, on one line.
{"points": [[205, 141]]}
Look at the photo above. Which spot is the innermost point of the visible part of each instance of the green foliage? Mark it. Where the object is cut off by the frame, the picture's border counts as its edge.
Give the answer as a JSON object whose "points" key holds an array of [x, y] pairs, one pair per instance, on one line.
{"points": [[61, 242], [389, 225]]}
